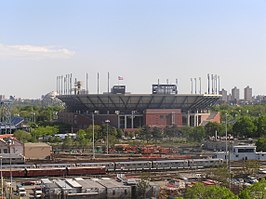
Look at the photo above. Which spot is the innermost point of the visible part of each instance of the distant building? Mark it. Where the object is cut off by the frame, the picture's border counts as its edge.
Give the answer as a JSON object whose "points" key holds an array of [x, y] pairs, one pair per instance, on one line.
{"points": [[37, 151], [235, 94], [223, 93], [2, 97], [248, 94], [11, 148], [243, 152]]}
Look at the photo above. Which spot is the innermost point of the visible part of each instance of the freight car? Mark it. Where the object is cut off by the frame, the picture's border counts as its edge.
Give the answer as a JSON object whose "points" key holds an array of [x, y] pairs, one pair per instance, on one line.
{"points": [[14, 173], [86, 170], [56, 171]]}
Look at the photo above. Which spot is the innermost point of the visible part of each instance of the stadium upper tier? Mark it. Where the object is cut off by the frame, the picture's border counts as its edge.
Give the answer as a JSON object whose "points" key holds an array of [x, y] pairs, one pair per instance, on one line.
{"points": [[127, 103]]}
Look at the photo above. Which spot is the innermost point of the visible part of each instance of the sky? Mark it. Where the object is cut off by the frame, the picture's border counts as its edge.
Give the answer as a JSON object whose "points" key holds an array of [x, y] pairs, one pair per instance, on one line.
{"points": [[140, 40]]}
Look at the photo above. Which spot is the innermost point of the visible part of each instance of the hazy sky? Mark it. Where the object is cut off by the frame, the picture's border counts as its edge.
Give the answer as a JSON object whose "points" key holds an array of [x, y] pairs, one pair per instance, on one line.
{"points": [[141, 40]]}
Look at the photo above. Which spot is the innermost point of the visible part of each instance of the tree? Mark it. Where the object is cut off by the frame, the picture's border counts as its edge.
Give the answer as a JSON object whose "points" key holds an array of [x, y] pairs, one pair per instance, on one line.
{"points": [[143, 185], [255, 191], [199, 191], [197, 134], [171, 132], [249, 167], [22, 136], [261, 144], [222, 175], [261, 126], [213, 127], [156, 133], [145, 133], [44, 131], [82, 139], [245, 127], [68, 142]]}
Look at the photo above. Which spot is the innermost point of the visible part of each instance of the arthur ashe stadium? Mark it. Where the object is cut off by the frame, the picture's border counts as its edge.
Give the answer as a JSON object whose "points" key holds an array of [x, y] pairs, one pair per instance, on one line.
{"points": [[164, 107]]}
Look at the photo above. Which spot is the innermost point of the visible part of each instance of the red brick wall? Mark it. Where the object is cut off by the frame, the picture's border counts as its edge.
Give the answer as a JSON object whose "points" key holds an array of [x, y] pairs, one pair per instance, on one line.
{"points": [[162, 117], [217, 118]]}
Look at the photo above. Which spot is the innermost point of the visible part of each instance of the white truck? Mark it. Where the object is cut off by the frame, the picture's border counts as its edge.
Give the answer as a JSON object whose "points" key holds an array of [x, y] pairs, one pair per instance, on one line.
{"points": [[37, 192], [21, 191]]}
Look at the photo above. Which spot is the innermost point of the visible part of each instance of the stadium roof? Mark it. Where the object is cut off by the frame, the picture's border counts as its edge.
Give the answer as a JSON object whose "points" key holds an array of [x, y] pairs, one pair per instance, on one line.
{"points": [[126, 103]]}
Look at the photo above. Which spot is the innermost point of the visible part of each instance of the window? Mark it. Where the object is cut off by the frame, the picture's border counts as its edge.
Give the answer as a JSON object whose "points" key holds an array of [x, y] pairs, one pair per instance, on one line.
{"points": [[5, 150], [125, 191], [245, 150], [113, 192]]}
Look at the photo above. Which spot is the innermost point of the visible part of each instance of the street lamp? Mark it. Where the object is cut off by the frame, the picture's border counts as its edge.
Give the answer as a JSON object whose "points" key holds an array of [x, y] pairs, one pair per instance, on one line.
{"points": [[9, 144], [107, 138], [226, 144], [2, 189]]}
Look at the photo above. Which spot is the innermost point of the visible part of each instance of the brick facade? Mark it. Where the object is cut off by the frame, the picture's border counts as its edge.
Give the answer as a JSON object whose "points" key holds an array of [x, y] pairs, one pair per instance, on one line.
{"points": [[163, 117]]}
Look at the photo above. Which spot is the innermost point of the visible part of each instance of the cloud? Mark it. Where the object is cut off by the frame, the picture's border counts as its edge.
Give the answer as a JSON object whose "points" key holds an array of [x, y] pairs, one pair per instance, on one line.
{"points": [[33, 52]]}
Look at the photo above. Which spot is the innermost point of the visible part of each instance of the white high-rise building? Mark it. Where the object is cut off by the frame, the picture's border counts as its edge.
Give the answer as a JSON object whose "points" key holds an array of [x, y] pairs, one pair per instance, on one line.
{"points": [[224, 95], [235, 94], [248, 94]]}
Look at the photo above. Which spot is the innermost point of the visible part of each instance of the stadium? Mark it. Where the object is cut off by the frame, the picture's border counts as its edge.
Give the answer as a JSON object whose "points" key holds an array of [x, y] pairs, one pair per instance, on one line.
{"points": [[163, 107]]}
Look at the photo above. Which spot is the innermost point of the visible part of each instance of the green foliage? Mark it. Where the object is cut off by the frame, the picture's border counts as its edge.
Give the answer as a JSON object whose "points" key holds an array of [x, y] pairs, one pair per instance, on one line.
{"points": [[22, 136], [82, 139], [43, 131], [222, 175], [145, 133], [255, 191], [172, 131], [143, 185], [261, 126], [249, 167], [261, 144], [245, 127], [213, 127], [36, 113], [68, 142], [198, 133], [199, 191]]}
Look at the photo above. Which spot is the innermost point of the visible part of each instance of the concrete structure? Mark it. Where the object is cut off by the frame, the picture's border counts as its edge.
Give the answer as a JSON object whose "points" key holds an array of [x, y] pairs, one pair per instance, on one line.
{"points": [[115, 189], [243, 152], [90, 186], [132, 111], [51, 190], [85, 188], [10, 145], [248, 94], [235, 94], [163, 117], [11, 148], [223, 93], [37, 150]]}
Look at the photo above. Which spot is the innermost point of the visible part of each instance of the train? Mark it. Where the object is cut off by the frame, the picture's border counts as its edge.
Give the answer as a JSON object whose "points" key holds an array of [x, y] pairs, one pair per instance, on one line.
{"points": [[56, 171], [156, 165], [101, 168]]}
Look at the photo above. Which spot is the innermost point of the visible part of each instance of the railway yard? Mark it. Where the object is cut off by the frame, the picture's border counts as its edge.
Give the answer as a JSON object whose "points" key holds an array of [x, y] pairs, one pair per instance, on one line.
{"points": [[164, 174]]}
